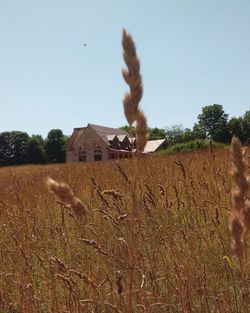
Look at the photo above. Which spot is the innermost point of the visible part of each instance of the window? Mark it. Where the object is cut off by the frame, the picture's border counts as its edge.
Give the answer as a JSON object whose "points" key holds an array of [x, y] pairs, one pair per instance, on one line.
{"points": [[97, 154], [82, 155], [98, 157]]}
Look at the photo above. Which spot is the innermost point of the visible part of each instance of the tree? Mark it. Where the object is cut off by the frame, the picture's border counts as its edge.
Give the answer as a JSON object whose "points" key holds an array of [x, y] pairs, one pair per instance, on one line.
{"points": [[213, 121], [174, 134], [129, 130], [235, 127], [246, 127], [156, 133], [19, 142], [35, 151], [55, 146], [198, 132], [13, 148], [6, 154], [38, 138], [188, 135]]}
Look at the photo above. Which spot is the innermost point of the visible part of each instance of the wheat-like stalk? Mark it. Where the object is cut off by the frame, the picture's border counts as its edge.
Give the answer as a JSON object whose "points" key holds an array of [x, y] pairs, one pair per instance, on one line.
{"points": [[239, 223], [240, 183], [131, 100], [132, 77], [64, 194], [238, 174], [141, 132]]}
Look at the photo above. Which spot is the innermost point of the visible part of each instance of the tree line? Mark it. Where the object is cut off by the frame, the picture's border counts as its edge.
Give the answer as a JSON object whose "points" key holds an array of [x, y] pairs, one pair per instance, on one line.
{"points": [[18, 147], [212, 124]]}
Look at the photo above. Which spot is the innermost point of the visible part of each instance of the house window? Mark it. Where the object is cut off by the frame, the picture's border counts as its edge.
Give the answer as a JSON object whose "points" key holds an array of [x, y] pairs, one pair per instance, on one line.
{"points": [[98, 154], [82, 155]]}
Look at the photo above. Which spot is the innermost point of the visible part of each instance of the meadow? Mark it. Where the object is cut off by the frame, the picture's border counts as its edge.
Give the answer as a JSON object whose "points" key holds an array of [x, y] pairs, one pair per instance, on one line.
{"points": [[155, 237]]}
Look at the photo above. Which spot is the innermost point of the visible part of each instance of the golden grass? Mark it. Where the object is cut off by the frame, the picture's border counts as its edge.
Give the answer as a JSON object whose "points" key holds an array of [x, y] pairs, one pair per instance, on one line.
{"points": [[182, 254]]}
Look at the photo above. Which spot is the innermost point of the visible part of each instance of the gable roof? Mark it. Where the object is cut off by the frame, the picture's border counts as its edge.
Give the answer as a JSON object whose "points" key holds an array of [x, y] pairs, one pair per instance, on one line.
{"points": [[153, 145], [104, 131], [77, 132], [122, 137], [111, 137]]}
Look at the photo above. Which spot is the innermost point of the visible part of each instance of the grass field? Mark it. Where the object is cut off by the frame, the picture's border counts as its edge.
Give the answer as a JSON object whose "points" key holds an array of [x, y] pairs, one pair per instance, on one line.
{"points": [[162, 243]]}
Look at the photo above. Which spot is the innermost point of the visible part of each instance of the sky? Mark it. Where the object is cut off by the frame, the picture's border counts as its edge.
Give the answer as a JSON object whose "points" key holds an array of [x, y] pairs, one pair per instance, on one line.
{"points": [[193, 53]]}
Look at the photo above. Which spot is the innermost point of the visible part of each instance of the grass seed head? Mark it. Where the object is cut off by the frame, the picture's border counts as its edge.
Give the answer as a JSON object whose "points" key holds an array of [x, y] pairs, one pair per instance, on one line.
{"points": [[238, 175], [141, 132], [64, 194], [132, 77], [237, 230]]}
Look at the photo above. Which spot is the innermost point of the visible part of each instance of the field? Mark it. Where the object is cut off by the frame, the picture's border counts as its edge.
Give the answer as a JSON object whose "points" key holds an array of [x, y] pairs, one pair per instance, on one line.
{"points": [[160, 244]]}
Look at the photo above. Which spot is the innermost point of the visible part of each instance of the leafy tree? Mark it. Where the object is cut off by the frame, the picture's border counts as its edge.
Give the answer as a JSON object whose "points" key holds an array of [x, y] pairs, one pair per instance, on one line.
{"points": [[240, 126], [35, 151], [188, 135], [55, 146], [129, 130], [235, 127], [19, 142], [13, 148], [38, 138], [246, 127], [6, 153], [198, 132], [213, 121], [156, 133], [174, 134]]}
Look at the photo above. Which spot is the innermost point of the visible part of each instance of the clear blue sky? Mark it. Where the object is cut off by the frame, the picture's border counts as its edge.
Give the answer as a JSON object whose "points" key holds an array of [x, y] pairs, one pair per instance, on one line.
{"points": [[193, 53]]}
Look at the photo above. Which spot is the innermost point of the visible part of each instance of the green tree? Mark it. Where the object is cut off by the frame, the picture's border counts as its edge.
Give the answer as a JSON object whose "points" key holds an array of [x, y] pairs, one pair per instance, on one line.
{"points": [[235, 127], [213, 121], [38, 138], [198, 132], [13, 148], [188, 135], [55, 146], [35, 151], [156, 133], [6, 153], [19, 142], [129, 130], [174, 134], [246, 127]]}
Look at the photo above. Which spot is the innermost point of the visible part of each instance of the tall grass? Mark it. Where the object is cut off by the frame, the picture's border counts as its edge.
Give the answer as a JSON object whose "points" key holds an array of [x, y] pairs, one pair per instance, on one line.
{"points": [[52, 262]]}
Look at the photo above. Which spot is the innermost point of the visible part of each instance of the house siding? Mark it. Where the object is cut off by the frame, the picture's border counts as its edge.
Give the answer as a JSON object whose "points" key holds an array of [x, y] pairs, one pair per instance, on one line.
{"points": [[88, 141]]}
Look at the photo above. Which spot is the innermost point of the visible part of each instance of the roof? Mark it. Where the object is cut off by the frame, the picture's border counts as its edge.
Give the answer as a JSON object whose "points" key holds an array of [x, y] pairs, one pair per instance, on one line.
{"points": [[104, 131], [153, 145], [122, 137], [111, 137], [77, 132]]}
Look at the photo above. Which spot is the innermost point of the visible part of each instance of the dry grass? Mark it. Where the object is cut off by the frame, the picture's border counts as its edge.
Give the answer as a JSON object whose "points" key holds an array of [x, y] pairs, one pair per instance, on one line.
{"points": [[182, 256]]}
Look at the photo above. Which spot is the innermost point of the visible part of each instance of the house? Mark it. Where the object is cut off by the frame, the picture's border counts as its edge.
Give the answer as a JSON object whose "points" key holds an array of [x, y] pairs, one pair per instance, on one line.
{"points": [[96, 143]]}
